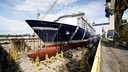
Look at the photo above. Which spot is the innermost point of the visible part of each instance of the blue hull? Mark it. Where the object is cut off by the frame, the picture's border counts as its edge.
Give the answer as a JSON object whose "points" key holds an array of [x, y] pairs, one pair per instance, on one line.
{"points": [[54, 32]]}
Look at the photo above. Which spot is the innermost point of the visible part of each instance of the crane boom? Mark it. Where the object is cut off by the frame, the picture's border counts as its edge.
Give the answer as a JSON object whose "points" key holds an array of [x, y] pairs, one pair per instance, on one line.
{"points": [[49, 9]]}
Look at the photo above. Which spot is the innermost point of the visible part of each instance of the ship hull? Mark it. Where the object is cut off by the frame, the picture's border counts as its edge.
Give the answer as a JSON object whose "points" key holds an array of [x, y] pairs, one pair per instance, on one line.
{"points": [[57, 32], [51, 50]]}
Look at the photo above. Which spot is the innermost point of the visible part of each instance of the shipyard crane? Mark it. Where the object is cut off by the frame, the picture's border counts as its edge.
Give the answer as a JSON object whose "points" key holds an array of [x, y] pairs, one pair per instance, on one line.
{"points": [[117, 8], [38, 15]]}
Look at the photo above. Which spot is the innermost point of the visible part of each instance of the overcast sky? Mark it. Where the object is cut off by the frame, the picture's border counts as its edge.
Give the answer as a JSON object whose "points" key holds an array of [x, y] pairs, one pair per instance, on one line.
{"points": [[13, 13]]}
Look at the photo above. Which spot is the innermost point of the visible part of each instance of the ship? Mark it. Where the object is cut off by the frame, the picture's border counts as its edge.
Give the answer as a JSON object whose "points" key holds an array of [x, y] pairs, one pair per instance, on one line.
{"points": [[70, 29]]}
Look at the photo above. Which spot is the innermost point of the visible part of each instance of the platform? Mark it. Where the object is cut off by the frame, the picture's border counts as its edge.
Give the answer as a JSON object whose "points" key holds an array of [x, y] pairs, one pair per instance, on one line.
{"points": [[113, 58]]}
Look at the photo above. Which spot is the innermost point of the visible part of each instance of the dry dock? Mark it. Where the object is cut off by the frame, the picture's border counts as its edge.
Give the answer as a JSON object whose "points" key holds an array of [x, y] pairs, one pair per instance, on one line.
{"points": [[54, 65], [113, 59], [22, 63]]}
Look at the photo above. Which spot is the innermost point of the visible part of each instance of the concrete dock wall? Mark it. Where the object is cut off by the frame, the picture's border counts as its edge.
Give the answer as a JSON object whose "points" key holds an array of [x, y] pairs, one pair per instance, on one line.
{"points": [[97, 59]]}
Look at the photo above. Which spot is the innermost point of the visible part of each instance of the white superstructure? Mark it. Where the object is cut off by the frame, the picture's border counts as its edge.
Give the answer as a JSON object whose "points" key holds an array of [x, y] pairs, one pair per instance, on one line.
{"points": [[71, 19], [76, 19]]}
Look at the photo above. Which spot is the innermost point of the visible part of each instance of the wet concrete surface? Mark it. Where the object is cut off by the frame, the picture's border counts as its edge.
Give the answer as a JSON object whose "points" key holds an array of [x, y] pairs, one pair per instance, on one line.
{"points": [[114, 58]]}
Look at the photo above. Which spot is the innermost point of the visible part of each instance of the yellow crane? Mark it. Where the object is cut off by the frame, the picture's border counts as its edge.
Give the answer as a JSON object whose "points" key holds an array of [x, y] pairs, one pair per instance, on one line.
{"points": [[38, 14], [117, 8]]}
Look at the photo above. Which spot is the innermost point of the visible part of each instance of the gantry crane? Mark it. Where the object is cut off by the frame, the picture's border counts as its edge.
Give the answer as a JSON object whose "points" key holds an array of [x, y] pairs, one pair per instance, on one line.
{"points": [[121, 26]]}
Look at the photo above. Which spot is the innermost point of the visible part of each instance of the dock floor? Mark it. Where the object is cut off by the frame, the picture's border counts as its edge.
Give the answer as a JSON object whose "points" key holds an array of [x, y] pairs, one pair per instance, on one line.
{"points": [[113, 58]]}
